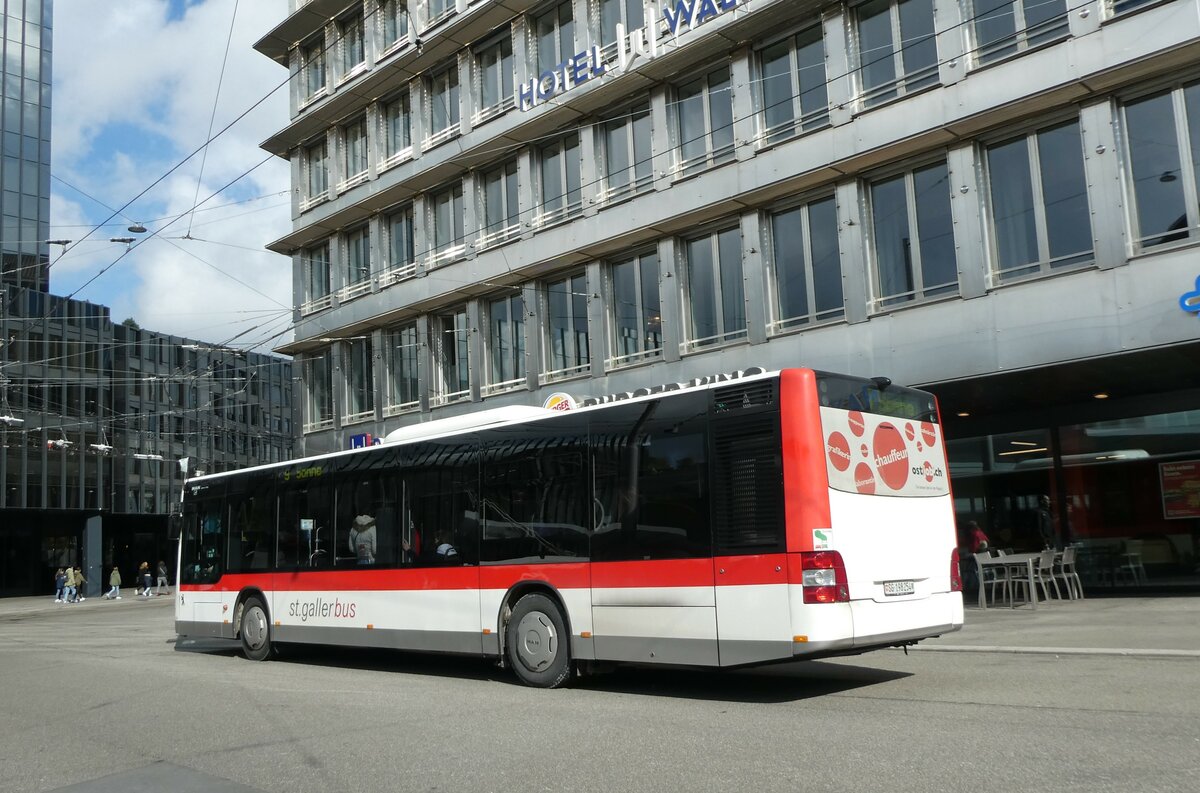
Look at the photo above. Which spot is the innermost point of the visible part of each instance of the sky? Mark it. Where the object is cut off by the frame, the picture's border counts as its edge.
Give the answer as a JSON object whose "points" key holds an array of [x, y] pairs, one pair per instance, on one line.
{"points": [[137, 85]]}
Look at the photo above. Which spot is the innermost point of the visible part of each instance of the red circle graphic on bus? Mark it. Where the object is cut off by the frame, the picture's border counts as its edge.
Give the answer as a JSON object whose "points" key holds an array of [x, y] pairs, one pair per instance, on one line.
{"points": [[857, 425], [891, 456], [838, 449], [928, 471], [864, 478], [928, 433], [864, 451], [909, 432]]}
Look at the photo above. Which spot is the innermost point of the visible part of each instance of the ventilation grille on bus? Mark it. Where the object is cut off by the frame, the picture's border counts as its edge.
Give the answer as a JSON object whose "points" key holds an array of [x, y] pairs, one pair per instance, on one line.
{"points": [[748, 486], [757, 394]]}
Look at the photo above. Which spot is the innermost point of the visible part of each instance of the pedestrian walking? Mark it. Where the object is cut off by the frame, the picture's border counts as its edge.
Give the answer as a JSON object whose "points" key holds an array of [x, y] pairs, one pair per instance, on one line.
{"points": [[69, 591], [60, 585], [162, 584], [79, 582], [114, 581], [143, 582]]}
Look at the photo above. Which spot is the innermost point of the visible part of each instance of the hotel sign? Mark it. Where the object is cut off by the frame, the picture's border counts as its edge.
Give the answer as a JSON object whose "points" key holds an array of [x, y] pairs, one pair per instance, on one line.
{"points": [[677, 17]]}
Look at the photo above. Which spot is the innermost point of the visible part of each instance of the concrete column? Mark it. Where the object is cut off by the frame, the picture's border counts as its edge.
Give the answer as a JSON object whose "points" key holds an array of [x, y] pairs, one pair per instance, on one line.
{"points": [[852, 246], [670, 298], [378, 372], [526, 197], [416, 109], [948, 31], [589, 169], [471, 223], [840, 85], [966, 208], [597, 321], [661, 137], [426, 373], [92, 563], [475, 348], [421, 241], [533, 334], [1101, 166], [743, 87], [754, 277]]}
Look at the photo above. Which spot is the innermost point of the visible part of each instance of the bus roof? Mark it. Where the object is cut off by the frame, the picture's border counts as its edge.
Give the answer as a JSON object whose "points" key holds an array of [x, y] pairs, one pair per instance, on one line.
{"points": [[505, 416]]}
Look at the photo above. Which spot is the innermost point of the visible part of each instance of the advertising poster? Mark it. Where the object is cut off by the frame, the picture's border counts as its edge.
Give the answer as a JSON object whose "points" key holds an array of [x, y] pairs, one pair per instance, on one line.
{"points": [[1180, 489]]}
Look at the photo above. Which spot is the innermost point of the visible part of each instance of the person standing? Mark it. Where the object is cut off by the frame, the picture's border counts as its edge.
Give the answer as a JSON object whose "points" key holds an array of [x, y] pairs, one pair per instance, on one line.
{"points": [[162, 580], [69, 591], [1045, 521], [60, 585], [114, 581], [79, 582]]}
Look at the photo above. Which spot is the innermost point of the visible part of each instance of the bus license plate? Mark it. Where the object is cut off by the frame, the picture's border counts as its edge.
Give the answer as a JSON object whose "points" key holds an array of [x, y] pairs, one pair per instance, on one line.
{"points": [[898, 588]]}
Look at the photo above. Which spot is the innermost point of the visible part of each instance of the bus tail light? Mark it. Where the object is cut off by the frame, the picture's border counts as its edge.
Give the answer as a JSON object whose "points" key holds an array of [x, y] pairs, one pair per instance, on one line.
{"points": [[824, 577], [955, 572]]}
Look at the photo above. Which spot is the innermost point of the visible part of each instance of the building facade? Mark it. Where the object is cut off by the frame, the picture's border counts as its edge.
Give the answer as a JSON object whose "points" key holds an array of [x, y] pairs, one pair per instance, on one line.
{"points": [[25, 142], [94, 421], [496, 202]]}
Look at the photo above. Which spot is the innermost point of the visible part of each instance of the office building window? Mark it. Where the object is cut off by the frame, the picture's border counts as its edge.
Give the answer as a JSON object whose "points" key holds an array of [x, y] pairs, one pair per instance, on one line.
{"points": [[494, 66], [501, 210], [360, 380], [440, 9], [1038, 203], [630, 14], [560, 179], [567, 349], [398, 226], [897, 53], [312, 67], [806, 264], [443, 104], [1005, 27], [393, 21], [403, 354], [555, 32], [451, 342], [316, 172], [397, 130], [627, 157], [704, 108], [913, 236], [1162, 139], [794, 99], [635, 317], [353, 43], [354, 152], [357, 264], [446, 215], [506, 341], [315, 261], [318, 382], [716, 306]]}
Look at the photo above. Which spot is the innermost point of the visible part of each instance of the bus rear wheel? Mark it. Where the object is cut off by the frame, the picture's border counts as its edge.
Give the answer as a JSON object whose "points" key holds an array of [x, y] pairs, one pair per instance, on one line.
{"points": [[255, 631], [537, 643]]}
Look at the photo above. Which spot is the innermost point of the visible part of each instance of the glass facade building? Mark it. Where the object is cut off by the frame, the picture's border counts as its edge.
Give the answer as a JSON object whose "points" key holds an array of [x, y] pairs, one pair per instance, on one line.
{"points": [[999, 204], [25, 121]]}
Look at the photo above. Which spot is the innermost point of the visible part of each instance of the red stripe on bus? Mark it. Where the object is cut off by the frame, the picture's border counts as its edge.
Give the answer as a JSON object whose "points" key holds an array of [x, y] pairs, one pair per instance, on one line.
{"points": [[751, 570], [805, 477], [739, 571]]}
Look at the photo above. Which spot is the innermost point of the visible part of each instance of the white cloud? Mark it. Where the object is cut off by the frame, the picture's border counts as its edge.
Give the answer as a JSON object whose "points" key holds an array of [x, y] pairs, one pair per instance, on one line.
{"points": [[133, 95]]}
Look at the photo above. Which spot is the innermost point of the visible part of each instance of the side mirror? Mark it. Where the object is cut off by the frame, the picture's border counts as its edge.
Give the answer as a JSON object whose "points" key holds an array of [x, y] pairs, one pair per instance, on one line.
{"points": [[174, 526]]}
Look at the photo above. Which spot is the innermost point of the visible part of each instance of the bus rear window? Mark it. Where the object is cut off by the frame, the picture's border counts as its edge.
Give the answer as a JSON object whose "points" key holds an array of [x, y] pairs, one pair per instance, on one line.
{"points": [[854, 393]]}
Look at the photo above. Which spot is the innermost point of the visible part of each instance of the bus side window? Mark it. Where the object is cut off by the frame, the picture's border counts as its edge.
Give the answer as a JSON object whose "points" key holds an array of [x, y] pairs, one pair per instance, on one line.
{"points": [[651, 481], [443, 481], [305, 526], [367, 519]]}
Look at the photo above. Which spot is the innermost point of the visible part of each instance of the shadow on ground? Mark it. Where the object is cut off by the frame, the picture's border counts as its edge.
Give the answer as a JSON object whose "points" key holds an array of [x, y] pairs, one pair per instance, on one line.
{"points": [[785, 682]]}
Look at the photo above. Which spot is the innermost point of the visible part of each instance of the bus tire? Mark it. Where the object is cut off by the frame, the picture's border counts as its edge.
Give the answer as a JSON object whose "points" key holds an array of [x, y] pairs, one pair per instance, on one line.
{"points": [[537, 644], [255, 630]]}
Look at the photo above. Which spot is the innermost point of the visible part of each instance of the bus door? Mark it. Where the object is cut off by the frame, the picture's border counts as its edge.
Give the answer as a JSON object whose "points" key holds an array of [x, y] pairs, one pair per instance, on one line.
{"points": [[202, 564], [749, 559], [652, 566]]}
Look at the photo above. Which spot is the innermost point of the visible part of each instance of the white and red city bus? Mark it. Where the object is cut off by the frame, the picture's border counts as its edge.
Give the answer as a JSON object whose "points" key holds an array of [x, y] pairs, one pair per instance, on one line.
{"points": [[734, 520]]}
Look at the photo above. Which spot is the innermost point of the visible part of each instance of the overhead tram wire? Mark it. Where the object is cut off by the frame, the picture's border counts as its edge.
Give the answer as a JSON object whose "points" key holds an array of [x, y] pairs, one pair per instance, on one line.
{"points": [[213, 117]]}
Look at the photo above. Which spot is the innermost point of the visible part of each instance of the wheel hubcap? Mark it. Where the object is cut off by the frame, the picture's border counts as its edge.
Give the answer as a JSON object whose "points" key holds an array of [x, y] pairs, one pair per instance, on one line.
{"points": [[537, 641], [254, 628]]}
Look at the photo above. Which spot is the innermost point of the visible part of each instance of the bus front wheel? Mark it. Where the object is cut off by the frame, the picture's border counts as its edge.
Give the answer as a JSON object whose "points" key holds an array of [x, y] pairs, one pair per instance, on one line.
{"points": [[537, 643], [256, 631]]}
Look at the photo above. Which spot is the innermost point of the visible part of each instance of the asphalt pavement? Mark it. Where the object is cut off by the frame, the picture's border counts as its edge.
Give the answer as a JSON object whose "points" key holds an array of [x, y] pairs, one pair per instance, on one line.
{"points": [[1136, 626]]}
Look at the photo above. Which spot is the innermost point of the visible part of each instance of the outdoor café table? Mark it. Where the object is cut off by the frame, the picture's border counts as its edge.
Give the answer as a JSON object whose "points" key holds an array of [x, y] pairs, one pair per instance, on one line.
{"points": [[1015, 562]]}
